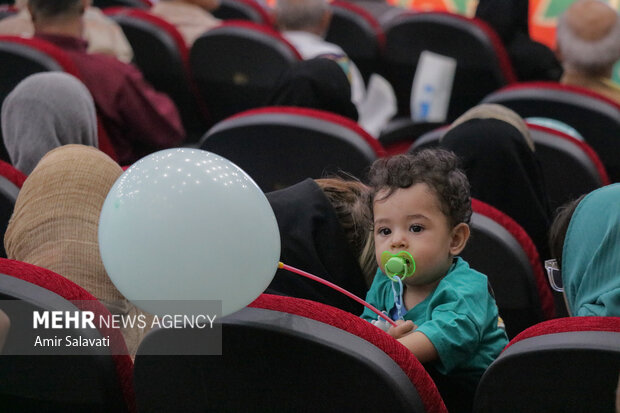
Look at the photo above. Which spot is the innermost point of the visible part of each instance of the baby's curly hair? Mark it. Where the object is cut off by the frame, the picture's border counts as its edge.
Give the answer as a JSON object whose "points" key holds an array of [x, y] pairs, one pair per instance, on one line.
{"points": [[437, 168]]}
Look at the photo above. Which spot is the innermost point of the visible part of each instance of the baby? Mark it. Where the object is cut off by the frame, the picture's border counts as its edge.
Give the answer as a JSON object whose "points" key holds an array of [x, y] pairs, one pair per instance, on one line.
{"points": [[421, 206]]}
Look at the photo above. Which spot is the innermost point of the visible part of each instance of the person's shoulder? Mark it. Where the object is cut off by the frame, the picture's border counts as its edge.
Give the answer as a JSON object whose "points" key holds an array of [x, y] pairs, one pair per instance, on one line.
{"points": [[462, 275]]}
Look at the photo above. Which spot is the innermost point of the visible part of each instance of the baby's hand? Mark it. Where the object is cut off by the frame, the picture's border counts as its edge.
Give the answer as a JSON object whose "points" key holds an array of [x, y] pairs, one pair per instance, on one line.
{"points": [[402, 328]]}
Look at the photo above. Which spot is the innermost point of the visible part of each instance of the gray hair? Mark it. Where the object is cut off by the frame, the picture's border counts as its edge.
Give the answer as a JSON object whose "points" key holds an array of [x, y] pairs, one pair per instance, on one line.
{"points": [[300, 14], [589, 57]]}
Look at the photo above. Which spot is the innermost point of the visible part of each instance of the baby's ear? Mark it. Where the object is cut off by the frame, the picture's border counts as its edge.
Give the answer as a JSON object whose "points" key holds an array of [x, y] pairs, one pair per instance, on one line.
{"points": [[458, 238]]}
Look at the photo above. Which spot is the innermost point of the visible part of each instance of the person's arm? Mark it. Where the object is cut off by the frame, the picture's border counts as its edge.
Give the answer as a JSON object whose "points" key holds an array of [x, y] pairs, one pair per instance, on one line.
{"points": [[416, 342], [420, 346]]}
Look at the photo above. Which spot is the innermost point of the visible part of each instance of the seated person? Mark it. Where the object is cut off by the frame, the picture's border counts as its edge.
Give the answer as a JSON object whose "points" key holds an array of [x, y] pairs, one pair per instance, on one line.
{"points": [[446, 315], [325, 230], [102, 34], [588, 43], [190, 17], [584, 240], [137, 119], [498, 156], [55, 224], [530, 60], [304, 24]]}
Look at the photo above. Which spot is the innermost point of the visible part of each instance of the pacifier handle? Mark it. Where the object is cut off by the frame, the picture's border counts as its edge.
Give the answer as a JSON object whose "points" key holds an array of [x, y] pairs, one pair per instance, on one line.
{"points": [[398, 266]]}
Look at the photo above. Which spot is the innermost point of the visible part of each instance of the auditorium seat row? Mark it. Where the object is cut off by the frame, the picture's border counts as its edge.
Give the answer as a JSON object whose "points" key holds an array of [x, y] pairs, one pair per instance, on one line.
{"points": [[289, 354]]}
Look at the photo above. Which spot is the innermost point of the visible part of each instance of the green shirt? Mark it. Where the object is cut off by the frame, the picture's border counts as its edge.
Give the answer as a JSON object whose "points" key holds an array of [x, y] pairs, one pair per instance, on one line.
{"points": [[459, 317]]}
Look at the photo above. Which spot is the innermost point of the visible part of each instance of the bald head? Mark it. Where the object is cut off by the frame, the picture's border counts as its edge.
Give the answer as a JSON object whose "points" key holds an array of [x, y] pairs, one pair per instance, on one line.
{"points": [[588, 37], [590, 20]]}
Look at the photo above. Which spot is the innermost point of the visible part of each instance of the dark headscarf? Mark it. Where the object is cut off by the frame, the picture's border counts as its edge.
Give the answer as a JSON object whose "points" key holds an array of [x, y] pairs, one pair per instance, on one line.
{"points": [[504, 172], [313, 240], [317, 84], [531, 60]]}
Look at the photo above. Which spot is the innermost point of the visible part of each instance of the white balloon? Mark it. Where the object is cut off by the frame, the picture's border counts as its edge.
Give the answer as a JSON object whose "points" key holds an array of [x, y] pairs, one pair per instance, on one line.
{"points": [[186, 224]]}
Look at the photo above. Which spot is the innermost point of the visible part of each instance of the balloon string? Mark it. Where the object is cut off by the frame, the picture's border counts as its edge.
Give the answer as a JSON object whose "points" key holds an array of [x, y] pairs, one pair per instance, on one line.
{"points": [[337, 288]]}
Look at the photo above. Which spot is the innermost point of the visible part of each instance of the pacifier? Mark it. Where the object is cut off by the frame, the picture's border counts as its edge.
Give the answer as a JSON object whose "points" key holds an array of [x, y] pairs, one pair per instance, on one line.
{"points": [[397, 266]]}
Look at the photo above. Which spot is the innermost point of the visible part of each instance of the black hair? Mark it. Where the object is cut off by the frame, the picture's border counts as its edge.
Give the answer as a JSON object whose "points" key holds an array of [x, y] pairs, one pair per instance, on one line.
{"points": [[437, 168]]}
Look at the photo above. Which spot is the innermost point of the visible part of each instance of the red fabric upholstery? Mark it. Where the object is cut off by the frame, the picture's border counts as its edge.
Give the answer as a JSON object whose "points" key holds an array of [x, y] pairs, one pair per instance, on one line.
{"points": [[544, 293], [319, 114], [561, 87], [568, 324], [581, 144], [260, 28], [355, 325], [73, 292], [12, 174], [366, 15]]}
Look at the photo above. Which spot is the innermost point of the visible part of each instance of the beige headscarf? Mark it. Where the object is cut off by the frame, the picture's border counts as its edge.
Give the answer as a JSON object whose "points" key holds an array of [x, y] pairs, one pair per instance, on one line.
{"points": [[56, 218], [499, 112]]}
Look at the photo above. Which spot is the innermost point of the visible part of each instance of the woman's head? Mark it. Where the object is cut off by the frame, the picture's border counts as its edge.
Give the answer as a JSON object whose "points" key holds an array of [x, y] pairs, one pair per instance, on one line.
{"points": [[591, 255], [44, 111], [56, 217], [499, 112]]}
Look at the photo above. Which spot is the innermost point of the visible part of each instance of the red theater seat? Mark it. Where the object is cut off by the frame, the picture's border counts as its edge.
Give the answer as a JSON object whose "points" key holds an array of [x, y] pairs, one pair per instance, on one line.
{"points": [[92, 382], [237, 65], [482, 62], [594, 116], [287, 354], [562, 365], [163, 58], [359, 34], [280, 146], [501, 249]]}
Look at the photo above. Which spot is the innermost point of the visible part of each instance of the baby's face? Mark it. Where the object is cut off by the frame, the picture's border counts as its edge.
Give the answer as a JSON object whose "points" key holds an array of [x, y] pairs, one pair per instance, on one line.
{"points": [[410, 220]]}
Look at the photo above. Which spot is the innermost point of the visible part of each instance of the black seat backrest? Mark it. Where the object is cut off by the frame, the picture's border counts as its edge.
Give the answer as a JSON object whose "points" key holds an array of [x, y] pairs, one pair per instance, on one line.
{"points": [[555, 366], [497, 253], [162, 56], [242, 10], [482, 62], [52, 378], [237, 66], [358, 33], [595, 117], [271, 361], [279, 147], [570, 167]]}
